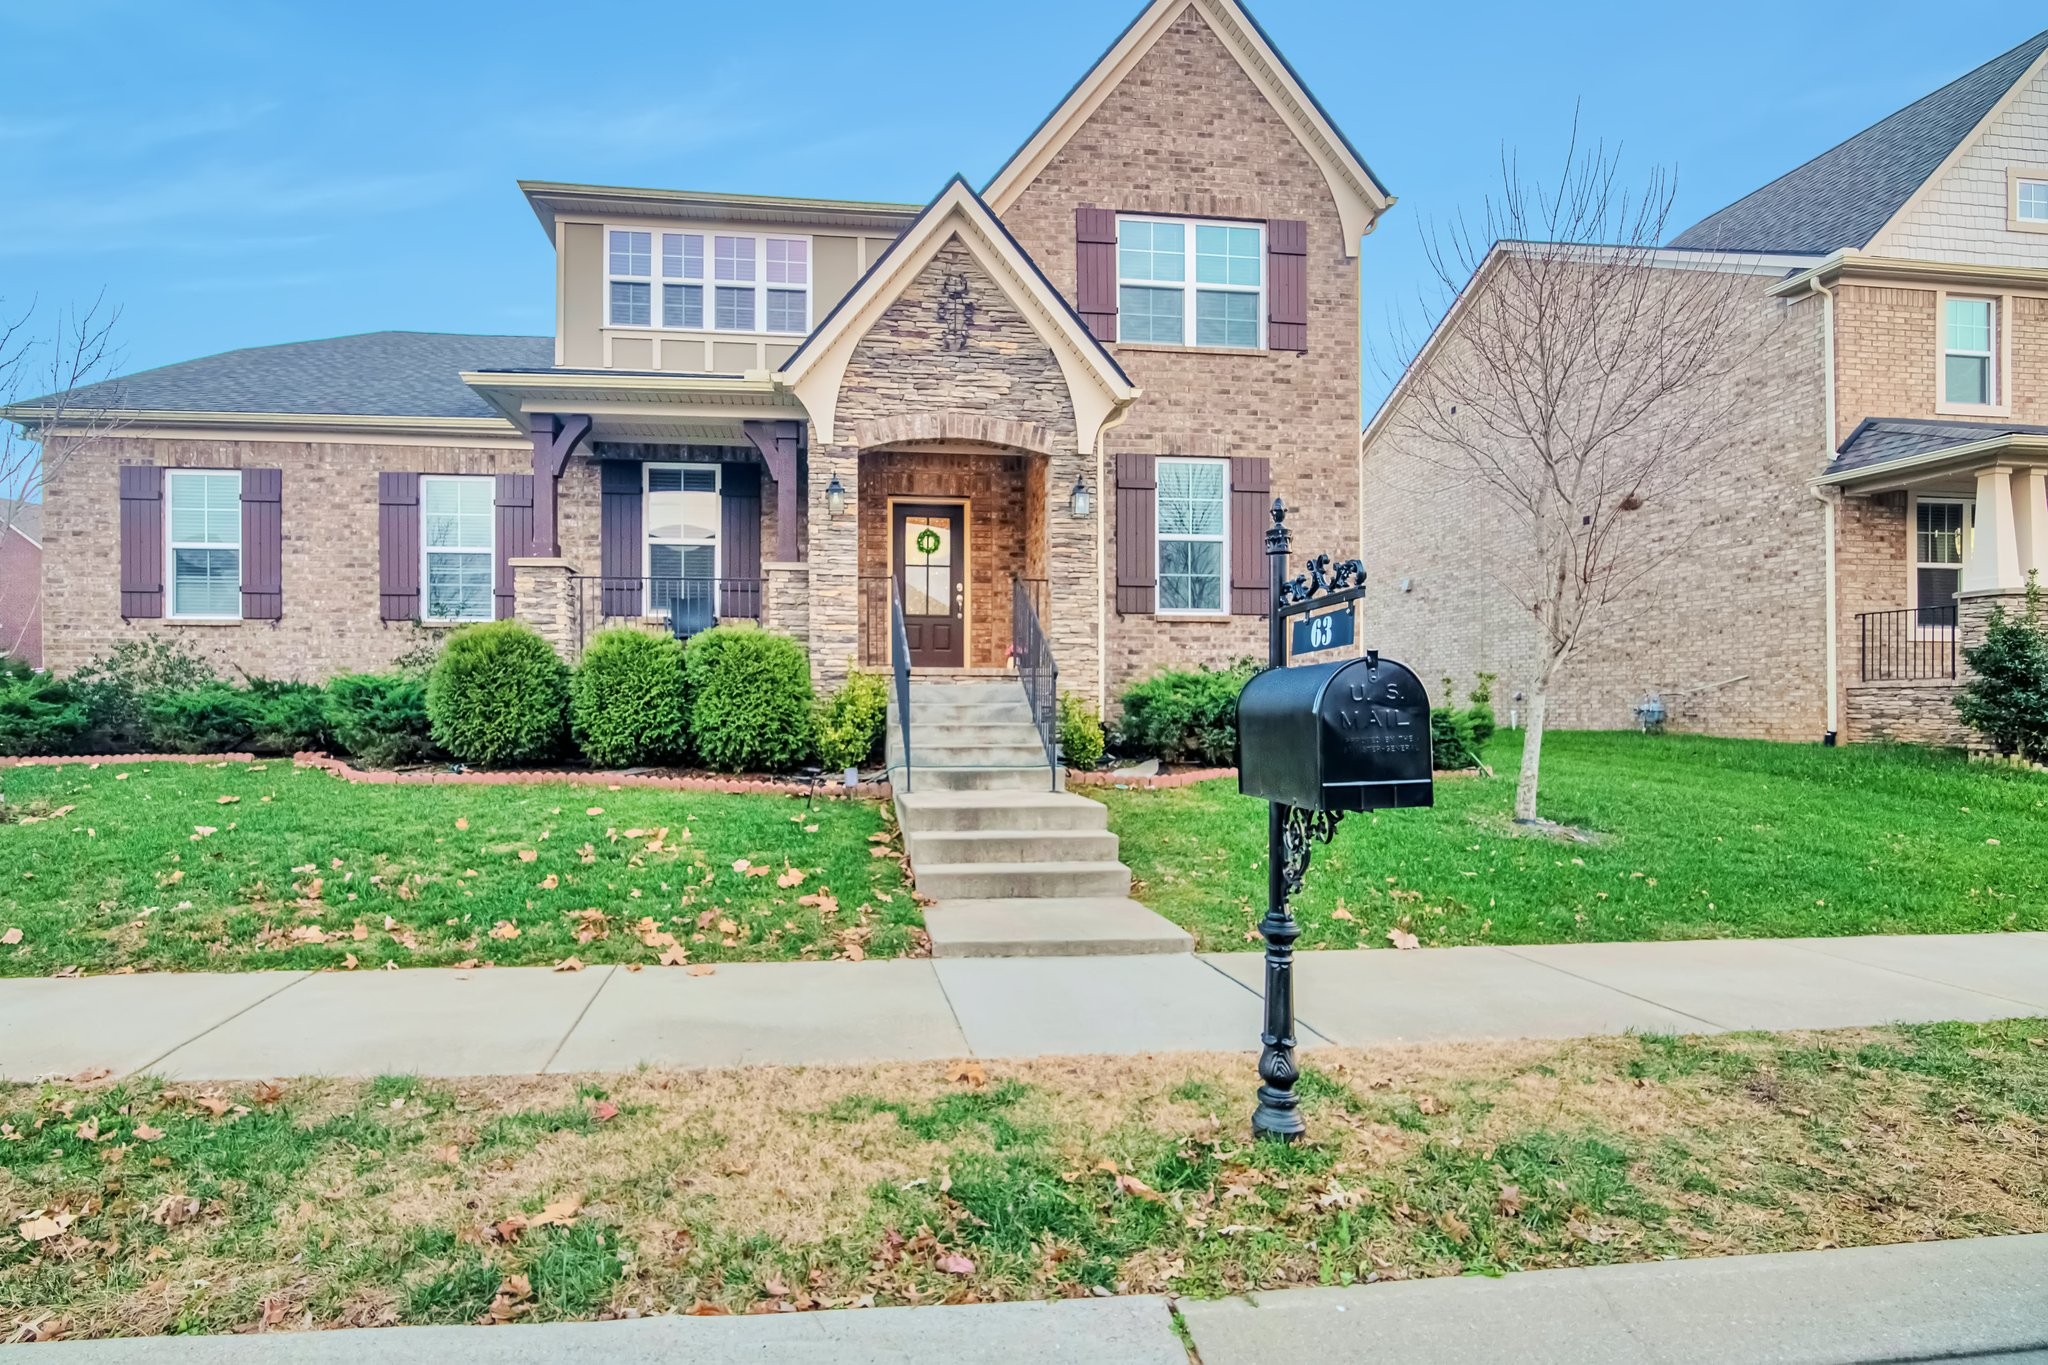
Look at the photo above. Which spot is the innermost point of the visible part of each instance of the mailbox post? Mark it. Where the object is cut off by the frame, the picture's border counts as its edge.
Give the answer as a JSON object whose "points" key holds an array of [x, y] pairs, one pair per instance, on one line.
{"points": [[1316, 741]]}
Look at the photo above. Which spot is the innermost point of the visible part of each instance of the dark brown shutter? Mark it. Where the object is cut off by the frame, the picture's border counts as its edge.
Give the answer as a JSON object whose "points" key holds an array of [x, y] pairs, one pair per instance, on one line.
{"points": [[514, 533], [739, 540], [619, 537], [398, 546], [1287, 290], [262, 544], [1137, 534], [142, 541], [1251, 488], [1095, 269]]}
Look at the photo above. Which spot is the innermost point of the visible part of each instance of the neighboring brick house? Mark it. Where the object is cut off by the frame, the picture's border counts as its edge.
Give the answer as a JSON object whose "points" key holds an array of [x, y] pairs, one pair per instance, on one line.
{"points": [[1886, 486], [1081, 385], [21, 587]]}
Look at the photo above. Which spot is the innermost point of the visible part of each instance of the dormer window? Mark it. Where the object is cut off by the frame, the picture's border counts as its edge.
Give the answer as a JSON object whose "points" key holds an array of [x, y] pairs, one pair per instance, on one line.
{"points": [[756, 283]]}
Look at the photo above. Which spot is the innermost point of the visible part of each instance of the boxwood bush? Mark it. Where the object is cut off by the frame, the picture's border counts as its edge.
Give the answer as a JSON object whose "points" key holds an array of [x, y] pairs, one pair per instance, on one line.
{"points": [[211, 718], [750, 700], [851, 724], [627, 701], [498, 694], [380, 719], [38, 714], [1080, 732], [1185, 715]]}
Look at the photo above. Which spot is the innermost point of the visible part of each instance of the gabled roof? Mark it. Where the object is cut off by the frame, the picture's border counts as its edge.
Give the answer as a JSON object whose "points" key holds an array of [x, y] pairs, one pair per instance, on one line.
{"points": [[1883, 441], [1097, 383], [372, 374], [28, 523], [1843, 197], [1360, 196], [548, 199]]}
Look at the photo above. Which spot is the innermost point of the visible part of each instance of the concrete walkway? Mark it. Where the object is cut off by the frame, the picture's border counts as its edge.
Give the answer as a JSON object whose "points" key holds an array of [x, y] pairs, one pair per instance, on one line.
{"points": [[507, 1021], [1983, 1300]]}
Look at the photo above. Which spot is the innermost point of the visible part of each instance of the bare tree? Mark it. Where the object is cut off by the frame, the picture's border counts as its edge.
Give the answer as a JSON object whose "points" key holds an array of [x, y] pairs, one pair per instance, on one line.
{"points": [[1578, 375], [41, 376]]}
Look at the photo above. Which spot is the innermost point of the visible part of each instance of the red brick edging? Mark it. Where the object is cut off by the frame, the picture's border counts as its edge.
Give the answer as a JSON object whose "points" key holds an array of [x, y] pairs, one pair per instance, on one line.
{"points": [[1112, 778], [95, 760]]}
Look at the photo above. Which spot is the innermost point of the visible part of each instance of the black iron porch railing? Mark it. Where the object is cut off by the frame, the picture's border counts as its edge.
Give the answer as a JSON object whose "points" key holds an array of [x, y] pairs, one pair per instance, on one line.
{"points": [[684, 605], [874, 603], [899, 660], [1909, 644], [1031, 655]]}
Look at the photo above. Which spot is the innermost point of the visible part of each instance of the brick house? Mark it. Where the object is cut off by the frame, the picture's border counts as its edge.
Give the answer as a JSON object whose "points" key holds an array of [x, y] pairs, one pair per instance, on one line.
{"points": [[1076, 389], [1886, 490], [21, 587]]}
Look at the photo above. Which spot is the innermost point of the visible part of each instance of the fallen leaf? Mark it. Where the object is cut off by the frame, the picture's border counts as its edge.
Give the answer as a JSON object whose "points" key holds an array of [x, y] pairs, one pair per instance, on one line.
{"points": [[227, 800], [145, 1133], [527, 855], [568, 964], [594, 810], [1402, 939], [462, 822], [700, 969], [968, 1073], [1131, 1185], [561, 1213], [1454, 1227], [42, 1227], [550, 882], [740, 864], [793, 877], [759, 870], [11, 937], [1510, 1202], [953, 1263], [604, 1111], [1341, 913], [89, 1131], [504, 928], [677, 956], [201, 831], [349, 962], [510, 1301], [175, 1209]]}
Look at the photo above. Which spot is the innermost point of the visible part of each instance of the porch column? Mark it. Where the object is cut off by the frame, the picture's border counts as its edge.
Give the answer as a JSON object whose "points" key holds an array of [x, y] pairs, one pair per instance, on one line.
{"points": [[555, 436], [834, 565], [2030, 520], [543, 596], [778, 443], [1993, 564]]}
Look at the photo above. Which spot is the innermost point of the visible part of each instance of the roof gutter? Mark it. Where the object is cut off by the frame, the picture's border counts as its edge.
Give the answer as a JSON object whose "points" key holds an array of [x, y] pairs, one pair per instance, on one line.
{"points": [[2006, 442], [1904, 270], [116, 421]]}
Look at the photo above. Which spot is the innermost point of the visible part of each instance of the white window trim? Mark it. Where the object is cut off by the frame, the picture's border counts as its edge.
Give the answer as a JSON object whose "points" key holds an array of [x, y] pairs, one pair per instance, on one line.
{"points": [[1914, 564], [172, 545], [426, 551], [709, 282], [1159, 538], [648, 542], [1188, 286], [2001, 354], [2015, 176]]}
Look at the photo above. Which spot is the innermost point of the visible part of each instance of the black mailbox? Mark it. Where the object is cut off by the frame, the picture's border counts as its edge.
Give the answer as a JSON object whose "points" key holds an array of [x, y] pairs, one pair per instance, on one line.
{"points": [[1351, 735]]}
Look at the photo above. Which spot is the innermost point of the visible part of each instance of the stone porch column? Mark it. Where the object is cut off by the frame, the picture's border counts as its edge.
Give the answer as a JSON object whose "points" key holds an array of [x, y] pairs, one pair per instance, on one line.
{"points": [[543, 596], [834, 565], [786, 602]]}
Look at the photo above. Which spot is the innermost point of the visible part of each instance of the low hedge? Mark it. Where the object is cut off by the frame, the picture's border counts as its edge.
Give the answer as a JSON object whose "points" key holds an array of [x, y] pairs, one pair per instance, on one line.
{"points": [[851, 725], [1184, 715], [212, 718], [1081, 740], [38, 714], [751, 706], [380, 719], [627, 700]]}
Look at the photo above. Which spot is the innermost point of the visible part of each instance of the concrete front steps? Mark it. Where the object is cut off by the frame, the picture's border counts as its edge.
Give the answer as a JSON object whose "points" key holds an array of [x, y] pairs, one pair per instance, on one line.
{"points": [[1015, 866]]}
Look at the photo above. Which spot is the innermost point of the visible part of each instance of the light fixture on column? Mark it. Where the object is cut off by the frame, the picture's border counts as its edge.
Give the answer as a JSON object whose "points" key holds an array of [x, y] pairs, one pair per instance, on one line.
{"points": [[835, 496], [1081, 501]]}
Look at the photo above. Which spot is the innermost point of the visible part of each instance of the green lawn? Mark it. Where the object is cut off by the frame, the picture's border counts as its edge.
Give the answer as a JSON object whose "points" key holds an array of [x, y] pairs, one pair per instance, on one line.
{"points": [[237, 866], [1701, 838]]}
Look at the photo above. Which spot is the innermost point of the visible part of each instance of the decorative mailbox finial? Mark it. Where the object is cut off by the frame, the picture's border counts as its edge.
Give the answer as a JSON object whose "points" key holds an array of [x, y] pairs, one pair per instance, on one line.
{"points": [[1278, 539]]}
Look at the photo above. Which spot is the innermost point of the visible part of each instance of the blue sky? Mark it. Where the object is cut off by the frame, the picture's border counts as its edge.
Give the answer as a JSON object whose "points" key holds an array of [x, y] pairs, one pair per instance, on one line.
{"points": [[237, 174]]}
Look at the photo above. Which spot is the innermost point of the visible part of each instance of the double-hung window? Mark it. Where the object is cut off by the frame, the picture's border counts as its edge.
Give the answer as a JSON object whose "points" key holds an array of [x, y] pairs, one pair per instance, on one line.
{"points": [[1193, 508], [1940, 535], [1188, 283], [697, 281], [458, 515], [1969, 366], [205, 543], [2030, 201], [681, 517]]}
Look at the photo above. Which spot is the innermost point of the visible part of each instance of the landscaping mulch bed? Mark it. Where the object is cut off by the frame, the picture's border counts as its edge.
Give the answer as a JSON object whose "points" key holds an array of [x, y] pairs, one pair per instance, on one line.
{"points": [[139, 1207]]}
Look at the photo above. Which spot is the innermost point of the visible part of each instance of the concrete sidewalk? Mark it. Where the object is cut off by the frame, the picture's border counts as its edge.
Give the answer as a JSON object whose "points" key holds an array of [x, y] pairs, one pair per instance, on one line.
{"points": [[510, 1021], [1983, 1300]]}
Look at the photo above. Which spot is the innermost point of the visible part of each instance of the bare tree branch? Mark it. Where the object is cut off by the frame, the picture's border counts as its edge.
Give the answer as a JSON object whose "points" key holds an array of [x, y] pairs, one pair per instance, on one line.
{"points": [[41, 375]]}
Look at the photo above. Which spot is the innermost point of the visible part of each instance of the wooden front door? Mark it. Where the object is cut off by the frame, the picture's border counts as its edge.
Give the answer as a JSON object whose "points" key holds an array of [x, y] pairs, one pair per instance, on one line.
{"points": [[931, 576]]}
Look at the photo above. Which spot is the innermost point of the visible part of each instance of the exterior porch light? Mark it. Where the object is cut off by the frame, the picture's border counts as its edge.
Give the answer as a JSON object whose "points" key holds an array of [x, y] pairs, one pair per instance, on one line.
{"points": [[1081, 501], [835, 497]]}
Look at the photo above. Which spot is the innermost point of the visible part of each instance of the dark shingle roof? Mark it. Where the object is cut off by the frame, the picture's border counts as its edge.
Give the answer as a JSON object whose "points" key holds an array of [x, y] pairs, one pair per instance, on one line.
{"points": [[374, 374], [1880, 440], [1840, 199]]}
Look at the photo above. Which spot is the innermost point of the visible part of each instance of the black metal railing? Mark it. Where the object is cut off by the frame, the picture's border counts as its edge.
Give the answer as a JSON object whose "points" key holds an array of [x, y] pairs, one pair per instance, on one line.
{"points": [[899, 659], [1915, 642], [1031, 655], [875, 596], [685, 605]]}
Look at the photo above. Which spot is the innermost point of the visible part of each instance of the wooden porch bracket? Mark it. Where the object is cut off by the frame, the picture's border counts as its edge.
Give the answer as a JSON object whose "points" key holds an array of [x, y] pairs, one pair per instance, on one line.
{"points": [[555, 438], [778, 443]]}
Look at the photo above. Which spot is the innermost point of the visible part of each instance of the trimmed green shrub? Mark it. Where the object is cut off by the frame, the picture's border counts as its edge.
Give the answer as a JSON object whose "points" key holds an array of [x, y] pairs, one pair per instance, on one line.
{"points": [[626, 700], [1479, 718], [291, 717], [2006, 698], [1185, 715], [1080, 732], [380, 719], [38, 714], [851, 724], [116, 686], [750, 700], [211, 718], [1450, 739], [498, 694]]}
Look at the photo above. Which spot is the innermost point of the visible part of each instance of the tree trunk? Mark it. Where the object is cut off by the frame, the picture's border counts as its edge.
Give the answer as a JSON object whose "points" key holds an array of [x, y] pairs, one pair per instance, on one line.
{"points": [[1532, 755]]}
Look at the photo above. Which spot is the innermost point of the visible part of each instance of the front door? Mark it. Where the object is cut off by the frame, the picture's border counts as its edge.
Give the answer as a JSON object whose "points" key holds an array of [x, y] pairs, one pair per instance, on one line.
{"points": [[931, 579]]}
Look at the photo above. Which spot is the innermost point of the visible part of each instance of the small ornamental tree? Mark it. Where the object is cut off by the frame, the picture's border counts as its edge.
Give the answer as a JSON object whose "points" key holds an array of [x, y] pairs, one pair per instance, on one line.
{"points": [[2006, 698], [498, 694], [626, 702]]}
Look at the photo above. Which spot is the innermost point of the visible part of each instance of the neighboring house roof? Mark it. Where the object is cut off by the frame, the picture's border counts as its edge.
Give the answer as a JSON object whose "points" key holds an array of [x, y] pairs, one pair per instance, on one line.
{"points": [[1360, 196], [28, 523], [1881, 441], [373, 374], [1839, 200]]}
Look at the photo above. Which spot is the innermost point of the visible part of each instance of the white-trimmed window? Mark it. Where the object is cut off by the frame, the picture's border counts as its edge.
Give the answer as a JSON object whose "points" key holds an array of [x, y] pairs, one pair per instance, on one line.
{"points": [[681, 516], [2030, 200], [1181, 282], [1969, 354], [718, 281], [458, 547], [205, 543], [1941, 534], [1193, 513]]}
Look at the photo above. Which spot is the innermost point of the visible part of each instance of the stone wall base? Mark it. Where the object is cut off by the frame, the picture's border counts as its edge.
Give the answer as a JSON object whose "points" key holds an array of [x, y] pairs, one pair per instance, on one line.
{"points": [[1920, 712]]}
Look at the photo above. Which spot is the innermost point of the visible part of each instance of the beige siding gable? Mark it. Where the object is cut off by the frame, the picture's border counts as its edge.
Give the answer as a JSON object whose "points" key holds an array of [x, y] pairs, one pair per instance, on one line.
{"points": [[1965, 212]]}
